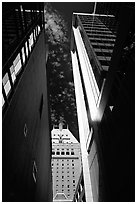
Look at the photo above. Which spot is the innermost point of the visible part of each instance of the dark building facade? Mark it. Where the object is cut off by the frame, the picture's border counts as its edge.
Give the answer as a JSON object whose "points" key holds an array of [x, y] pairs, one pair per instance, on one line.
{"points": [[26, 141], [102, 49]]}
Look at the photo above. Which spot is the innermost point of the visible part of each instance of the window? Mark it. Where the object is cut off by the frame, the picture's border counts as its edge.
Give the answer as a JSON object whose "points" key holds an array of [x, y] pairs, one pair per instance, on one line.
{"points": [[17, 64], [67, 153], [73, 172], [72, 164], [31, 41], [62, 186], [62, 153], [73, 181], [53, 153], [23, 55], [72, 153], [6, 84], [62, 177], [26, 46], [62, 164], [57, 153], [12, 71], [68, 186]]}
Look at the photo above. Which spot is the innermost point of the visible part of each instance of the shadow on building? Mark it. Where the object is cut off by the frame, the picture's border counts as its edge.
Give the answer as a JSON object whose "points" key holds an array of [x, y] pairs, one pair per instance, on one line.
{"points": [[26, 142]]}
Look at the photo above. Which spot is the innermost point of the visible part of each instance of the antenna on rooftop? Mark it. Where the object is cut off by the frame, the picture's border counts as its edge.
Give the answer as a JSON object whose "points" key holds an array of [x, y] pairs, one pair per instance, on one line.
{"points": [[95, 8]]}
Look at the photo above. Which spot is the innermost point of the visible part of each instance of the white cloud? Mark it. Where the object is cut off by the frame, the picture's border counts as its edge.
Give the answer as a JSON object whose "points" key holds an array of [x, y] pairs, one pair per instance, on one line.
{"points": [[54, 25]]}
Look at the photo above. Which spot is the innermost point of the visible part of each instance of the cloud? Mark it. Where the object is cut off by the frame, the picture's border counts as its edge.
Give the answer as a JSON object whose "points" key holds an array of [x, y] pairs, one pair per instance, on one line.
{"points": [[55, 26]]}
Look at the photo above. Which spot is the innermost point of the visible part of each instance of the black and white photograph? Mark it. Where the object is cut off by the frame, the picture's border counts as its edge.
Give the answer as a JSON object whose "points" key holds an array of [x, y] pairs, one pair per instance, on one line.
{"points": [[68, 101]]}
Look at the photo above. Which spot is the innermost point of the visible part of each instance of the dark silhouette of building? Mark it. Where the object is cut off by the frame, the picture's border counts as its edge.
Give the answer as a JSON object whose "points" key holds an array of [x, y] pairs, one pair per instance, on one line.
{"points": [[26, 141], [102, 49]]}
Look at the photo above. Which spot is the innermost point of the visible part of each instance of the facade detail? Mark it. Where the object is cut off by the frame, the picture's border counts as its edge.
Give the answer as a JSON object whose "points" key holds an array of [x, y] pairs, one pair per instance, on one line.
{"points": [[26, 141], [100, 46], [66, 164]]}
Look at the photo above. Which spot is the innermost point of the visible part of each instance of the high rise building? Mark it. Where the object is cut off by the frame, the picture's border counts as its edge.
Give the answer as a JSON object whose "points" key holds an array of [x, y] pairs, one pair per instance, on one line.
{"points": [[66, 164], [26, 142], [102, 50]]}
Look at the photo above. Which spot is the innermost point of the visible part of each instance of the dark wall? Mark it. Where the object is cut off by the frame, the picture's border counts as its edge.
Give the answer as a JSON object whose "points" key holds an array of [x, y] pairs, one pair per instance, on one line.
{"points": [[28, 106]]}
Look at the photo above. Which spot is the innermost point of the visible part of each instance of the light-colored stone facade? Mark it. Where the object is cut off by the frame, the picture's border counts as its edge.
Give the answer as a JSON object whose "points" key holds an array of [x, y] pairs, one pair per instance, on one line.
{"points": [[66, 164]]}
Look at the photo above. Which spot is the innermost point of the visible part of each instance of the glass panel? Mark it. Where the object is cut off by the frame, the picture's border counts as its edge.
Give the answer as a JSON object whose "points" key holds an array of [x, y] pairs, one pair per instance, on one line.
{"points": [[26, 49], [5, 79], [23, 55], [38, 29], [16, 60], [18, 67], [31, 41], [13, 76], [7, 87]]}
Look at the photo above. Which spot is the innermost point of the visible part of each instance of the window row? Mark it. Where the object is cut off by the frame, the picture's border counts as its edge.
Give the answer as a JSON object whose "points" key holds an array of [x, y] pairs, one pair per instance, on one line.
{"points": [[73, 181], [60, 135], [12, 74], [68, 160], [57, 164], [62, 153]]}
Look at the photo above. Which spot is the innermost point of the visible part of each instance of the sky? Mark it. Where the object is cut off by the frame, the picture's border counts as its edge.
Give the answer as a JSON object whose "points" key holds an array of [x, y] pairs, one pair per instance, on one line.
{"points": [[67, 8], [58, 19]]}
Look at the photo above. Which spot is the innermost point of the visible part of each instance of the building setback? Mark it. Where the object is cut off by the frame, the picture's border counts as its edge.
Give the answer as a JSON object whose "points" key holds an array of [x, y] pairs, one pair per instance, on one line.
{"points": [[66, 164], [102, 50], [26, 142]]}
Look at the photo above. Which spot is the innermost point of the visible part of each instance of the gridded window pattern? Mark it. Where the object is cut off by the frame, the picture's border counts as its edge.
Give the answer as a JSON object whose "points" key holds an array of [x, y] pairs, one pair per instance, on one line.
{"points": [[16, 64], [101, 37]]}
